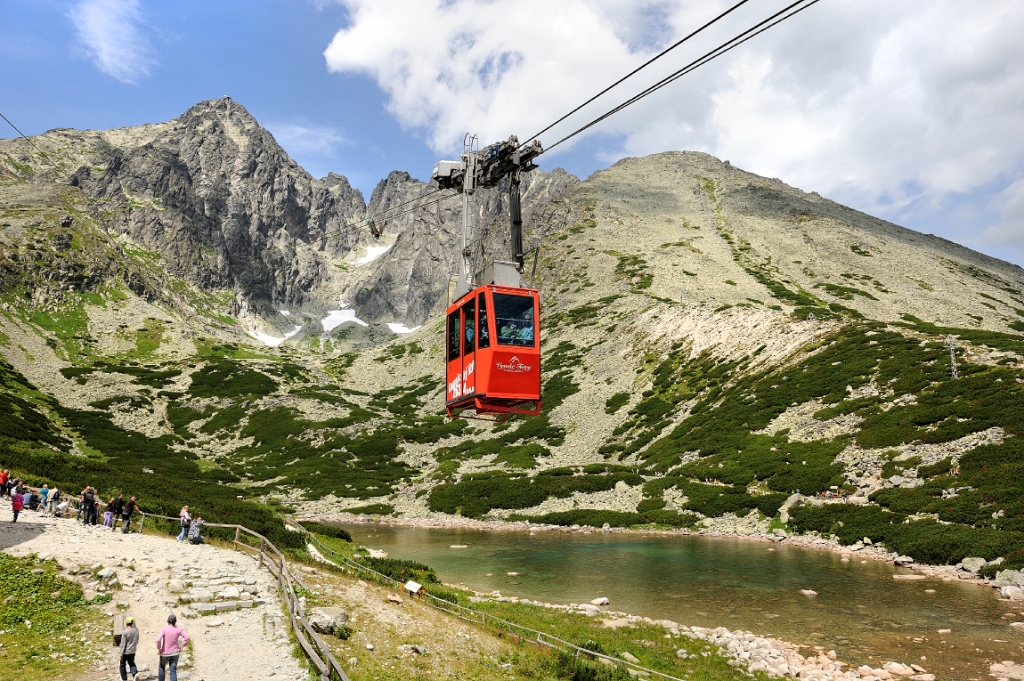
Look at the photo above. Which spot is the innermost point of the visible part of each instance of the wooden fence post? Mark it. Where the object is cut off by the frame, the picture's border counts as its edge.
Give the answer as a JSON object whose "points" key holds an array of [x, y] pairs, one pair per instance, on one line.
{"points": [[142, 523], [261, 552], [238, 533]]}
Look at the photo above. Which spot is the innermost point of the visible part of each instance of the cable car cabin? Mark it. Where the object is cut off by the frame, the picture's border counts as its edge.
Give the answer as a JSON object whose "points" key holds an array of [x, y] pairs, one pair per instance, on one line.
{"points": [[493, 352]]}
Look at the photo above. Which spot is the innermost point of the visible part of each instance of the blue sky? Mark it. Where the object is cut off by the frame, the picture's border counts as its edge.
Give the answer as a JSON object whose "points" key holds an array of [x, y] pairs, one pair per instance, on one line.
{"points": [[911, 111]]}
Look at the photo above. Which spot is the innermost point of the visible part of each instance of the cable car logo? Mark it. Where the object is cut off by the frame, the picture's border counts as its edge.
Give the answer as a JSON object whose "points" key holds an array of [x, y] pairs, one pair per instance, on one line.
{"points": [[513, 366]]}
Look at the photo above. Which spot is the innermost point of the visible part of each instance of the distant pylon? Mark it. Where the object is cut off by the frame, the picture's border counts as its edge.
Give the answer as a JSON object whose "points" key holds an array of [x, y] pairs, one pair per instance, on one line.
{"points": [[951, 342], [811, 319]]}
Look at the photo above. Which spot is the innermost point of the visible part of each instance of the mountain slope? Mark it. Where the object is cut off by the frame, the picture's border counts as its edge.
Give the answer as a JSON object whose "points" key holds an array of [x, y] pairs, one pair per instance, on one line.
{"points": [[685, 380]]}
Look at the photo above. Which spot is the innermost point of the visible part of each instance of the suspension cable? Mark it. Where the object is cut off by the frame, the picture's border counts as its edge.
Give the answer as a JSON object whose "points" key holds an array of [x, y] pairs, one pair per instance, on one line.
{"points": [[736, 41], [639, 68]]}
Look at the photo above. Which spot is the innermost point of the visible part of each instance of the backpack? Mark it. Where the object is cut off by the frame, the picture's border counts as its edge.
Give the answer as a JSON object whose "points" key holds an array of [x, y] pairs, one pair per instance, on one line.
{"points": [[56, 497]]}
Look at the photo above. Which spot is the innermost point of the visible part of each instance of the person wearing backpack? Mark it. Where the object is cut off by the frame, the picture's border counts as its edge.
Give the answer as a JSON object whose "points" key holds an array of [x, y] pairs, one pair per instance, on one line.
{"points": [[54, 500]]}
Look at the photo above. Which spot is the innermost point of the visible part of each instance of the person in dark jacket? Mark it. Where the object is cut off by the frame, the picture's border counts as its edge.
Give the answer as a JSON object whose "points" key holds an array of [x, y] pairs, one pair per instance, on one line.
{"points": [[115, 508], [126, 514], [129, 645], [88, 503]]}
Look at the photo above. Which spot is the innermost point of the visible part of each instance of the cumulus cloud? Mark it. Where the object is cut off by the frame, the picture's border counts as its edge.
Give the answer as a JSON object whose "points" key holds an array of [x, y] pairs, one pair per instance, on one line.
{"points": [[110, 30], [888, 106]]}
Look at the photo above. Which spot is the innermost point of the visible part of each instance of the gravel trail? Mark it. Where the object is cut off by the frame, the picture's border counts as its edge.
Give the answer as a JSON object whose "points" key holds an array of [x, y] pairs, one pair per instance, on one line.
{"points": [[248, 644]]}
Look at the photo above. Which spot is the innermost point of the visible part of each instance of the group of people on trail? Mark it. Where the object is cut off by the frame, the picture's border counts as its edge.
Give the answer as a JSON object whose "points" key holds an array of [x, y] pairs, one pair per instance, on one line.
{"points": [[169, 644], [117, 507], [43, 500], [191, 528], [50, 502]]}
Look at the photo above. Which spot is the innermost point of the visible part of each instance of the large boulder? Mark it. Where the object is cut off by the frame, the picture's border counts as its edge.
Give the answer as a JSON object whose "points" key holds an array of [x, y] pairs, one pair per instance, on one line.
{"points": [[973, 564], [327, 620], [1011, 577]]}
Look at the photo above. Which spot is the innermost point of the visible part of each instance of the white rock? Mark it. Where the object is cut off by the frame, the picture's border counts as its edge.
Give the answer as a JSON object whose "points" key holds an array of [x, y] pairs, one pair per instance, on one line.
{"points": [[808, 592], [1014, 593], [215, 623], [600, 601]]}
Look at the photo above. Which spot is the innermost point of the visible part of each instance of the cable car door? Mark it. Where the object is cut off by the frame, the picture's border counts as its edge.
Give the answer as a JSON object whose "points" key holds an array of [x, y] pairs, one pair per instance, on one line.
{"points": [[469, 348], [461, 360]]}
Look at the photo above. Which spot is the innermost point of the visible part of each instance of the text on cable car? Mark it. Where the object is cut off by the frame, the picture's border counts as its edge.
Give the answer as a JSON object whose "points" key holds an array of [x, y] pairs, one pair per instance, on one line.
{"points": [[455, 388]]}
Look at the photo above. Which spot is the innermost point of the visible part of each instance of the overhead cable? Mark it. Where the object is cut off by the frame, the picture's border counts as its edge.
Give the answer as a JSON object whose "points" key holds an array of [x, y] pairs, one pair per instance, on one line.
{"points": [[753, 31], [29, 140], [388, 213], [639, 68]]}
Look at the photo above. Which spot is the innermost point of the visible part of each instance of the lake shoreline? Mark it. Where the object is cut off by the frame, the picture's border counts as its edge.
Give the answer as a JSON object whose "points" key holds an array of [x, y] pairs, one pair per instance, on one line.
{"points": [[772, 654], [947, 573]]}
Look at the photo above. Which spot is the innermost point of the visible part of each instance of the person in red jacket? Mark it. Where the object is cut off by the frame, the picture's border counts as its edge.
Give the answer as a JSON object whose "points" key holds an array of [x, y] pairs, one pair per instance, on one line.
{"points": [[16, 502]]}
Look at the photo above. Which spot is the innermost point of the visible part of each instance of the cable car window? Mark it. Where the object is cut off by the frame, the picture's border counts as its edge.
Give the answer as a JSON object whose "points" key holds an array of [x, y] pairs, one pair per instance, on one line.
{"points": [[484, 340], [453, 336], [469, 310], [513, 316]]}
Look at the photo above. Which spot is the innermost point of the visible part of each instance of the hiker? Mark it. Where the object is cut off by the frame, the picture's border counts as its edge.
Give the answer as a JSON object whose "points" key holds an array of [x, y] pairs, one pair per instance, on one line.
{"points": [[44, 495], [126, 514], [88, 502], [16, 500], [129, 644], [185, 519], [109, 513], [169, 647], [4, 476], [193, 531], [54, 499], [115, 508]]}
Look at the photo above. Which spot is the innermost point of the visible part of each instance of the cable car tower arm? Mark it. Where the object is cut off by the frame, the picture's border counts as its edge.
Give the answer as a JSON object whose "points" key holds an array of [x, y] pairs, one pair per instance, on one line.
{"points": [[486, 168]]}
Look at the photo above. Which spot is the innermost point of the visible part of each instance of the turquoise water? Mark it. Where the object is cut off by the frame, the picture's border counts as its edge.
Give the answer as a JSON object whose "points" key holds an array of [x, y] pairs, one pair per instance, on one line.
{"points": [[860, 611]]}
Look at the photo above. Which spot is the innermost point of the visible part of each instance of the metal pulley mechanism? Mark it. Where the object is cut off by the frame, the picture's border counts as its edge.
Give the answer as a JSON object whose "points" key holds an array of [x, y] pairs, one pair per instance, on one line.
{"points": [[375, 229]]}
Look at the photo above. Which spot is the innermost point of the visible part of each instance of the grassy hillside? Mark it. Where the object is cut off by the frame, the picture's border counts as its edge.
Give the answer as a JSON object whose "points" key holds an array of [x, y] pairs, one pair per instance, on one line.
{"points": [[685, 384]]}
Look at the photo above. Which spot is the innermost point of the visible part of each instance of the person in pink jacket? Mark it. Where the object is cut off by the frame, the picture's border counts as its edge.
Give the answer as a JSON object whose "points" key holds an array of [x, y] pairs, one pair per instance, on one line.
{"points": [[16, 503], [169, 643]]}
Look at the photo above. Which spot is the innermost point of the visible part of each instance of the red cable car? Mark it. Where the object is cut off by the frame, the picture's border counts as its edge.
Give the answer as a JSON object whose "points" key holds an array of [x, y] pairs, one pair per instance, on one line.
{"points": [[493, 352], [492, 348]]}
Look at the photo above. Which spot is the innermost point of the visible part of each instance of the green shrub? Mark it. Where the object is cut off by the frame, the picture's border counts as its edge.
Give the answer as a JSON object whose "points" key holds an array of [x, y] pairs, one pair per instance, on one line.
{"points": [[326, 530], [615, 402]]}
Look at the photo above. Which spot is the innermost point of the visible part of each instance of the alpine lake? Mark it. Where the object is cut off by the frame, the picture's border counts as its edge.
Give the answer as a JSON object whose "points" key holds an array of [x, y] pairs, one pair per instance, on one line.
{"points": [[859, 611]]}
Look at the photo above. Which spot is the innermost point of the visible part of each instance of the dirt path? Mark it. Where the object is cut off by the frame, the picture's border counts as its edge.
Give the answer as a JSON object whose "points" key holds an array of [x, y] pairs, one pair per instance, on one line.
{"points": [[244, 644]]}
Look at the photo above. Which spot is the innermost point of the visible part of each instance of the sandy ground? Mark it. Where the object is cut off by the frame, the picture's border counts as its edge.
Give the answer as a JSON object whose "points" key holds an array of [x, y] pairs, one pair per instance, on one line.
{"points": [[245, 644]]}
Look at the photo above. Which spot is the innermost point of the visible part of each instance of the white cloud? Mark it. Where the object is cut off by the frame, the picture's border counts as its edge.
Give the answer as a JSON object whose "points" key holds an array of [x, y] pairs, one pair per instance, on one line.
{"points": [[110, 31], [890, 106], [306, 139], [1009, 232]]}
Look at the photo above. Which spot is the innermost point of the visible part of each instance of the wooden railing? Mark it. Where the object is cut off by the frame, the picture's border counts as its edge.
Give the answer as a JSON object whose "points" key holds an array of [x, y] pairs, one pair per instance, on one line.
{"points": [[270, 557]]}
